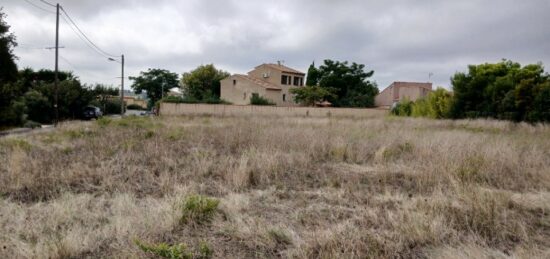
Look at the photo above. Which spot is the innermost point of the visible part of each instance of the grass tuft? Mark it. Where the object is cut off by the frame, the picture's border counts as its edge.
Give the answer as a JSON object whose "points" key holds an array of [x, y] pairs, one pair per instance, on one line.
{"points": [[199, 209]]}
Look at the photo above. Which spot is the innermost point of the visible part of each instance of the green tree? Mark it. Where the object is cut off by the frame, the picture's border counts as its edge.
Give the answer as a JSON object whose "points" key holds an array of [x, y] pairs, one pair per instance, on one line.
{"points": [[8, 68], [504, 90], [37, 107], [309, 95], [312, 75], [203, 83], [11, 111], [350, 83], [155, 82]]}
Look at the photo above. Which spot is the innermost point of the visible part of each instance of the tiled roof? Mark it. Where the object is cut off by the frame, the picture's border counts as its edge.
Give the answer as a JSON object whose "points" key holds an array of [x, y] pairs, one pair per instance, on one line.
{"points": [[284, 68], [259, 82]]}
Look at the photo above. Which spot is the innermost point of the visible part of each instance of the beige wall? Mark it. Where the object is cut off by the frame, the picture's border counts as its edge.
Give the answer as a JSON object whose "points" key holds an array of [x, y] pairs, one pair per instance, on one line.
{"points": [[240, 92], [398, 91], [173, 109], [236, 93], [274, 77], [384, 98]]}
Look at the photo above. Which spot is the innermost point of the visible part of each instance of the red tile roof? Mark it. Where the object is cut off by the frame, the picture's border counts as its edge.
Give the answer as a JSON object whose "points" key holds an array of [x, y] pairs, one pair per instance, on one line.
{"points": [[259, 82]]}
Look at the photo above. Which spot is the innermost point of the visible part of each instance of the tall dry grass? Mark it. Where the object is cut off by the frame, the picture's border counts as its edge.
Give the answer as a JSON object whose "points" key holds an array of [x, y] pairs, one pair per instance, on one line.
{"points": [[288, 187]]}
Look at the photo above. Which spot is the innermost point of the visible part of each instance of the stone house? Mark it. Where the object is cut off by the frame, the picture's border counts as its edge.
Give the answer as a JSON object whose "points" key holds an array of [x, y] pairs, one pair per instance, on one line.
{"points": [[398, 91], [271, 81]]}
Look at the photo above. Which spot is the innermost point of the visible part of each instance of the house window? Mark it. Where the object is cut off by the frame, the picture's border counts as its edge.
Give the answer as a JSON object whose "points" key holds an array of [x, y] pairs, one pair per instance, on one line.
{"points": [[296, 81], [234, 82], [284, 79], [244, 96], [301, 81], [284, 97]]}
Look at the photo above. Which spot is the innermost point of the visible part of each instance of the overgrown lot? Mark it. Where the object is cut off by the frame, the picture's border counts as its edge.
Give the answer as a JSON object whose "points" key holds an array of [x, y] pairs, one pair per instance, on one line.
{"points": [[249, 187]]}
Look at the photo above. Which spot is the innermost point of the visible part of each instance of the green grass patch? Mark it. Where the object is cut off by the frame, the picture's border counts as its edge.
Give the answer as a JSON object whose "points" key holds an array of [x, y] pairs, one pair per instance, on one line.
{"points": [[199, 209], [16, 143], [178, 251]]}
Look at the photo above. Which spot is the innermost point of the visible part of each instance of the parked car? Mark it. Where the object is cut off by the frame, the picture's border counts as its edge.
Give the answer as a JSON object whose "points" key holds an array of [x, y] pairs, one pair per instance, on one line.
{"points": [[92, 112]]}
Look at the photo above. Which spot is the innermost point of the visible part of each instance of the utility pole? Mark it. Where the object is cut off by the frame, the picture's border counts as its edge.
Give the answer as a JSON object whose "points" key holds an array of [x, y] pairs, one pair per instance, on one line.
{"points": [[121, 83], [56, 81], [122, 88]]}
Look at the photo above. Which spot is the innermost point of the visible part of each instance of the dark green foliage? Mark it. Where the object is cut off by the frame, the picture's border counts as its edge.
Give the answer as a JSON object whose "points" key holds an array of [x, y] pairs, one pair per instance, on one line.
{"points": [[309, 95], [256, 99], [155, 82], [106, 99], [36, 104], [350, 83], [203, 83], [134, 107], [504, 90], [32, 125], [11, 112], [198, 209], [312, 75], [8, 68], [108, 106]]}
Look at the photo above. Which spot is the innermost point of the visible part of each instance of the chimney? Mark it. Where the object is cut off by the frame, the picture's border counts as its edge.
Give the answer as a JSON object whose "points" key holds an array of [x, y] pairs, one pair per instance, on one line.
{"points": [[279, 62]]}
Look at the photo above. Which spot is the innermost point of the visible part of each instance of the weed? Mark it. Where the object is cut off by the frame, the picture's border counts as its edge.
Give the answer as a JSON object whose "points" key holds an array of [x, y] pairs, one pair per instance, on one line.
{"points": [[149, 134], [199, 209], [164, 250], [397, 151], [104, 121], [178, 251], [279, 236], [470, 170]]}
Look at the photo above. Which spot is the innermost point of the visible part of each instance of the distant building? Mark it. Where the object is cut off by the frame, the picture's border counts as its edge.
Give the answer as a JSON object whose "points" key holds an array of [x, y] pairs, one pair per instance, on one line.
{"points": [[271, 81], [398, 91]]}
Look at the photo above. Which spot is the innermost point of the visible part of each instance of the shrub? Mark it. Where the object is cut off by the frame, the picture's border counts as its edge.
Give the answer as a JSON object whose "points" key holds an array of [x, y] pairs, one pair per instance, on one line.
{"points": [[134, 107], [436, 105], [198, 209], [109, 106], [256, 99], [164, 250], [179, 251], [403, 108], [32, 125]]}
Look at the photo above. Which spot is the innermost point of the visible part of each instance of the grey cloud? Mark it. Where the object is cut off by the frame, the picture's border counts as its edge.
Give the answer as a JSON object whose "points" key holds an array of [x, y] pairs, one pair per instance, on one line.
{"points": [[400, 40]]}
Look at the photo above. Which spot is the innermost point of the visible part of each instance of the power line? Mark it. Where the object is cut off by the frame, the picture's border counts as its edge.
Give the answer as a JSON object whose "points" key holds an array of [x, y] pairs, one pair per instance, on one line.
{"points": [[82, 38], [50, 4], [79, 71], [86, 37], [37, 6]]}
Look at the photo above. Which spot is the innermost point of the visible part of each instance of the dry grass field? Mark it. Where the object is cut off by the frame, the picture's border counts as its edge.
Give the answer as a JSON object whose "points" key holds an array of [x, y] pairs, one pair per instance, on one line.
{"points": [[290, 187]]}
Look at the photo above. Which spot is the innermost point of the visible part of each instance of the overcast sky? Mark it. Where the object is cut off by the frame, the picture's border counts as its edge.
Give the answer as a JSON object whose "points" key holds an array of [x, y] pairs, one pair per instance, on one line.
{"points": [[400, 40]]}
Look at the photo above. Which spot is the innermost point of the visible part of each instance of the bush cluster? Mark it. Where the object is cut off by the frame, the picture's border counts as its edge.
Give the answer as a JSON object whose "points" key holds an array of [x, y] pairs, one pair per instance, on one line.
{"points": [[504, 90], [256, 99]]}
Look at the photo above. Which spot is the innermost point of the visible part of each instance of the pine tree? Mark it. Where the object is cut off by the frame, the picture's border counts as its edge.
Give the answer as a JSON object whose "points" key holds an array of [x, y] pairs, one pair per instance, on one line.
{"points": [[312, 75]]}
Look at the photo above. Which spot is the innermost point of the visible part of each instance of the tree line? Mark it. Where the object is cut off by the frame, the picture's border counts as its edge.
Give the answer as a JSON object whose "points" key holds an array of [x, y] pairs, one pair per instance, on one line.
{"points": [[504, 90]]}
